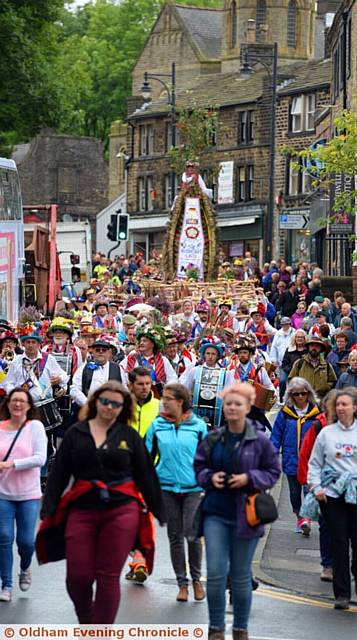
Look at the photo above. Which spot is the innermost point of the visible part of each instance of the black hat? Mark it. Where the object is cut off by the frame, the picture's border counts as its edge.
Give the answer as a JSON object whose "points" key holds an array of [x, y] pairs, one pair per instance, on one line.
{"points": [[101, 343], [101, 303]]}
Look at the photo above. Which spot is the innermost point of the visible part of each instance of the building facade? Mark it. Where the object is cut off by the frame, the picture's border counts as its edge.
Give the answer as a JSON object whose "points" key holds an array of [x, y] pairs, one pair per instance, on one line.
{"points": [[69, 171], [207, 47]]}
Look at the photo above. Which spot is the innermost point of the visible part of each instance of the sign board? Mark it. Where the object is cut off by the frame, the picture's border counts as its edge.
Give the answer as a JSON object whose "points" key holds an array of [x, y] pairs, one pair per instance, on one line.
{"points": [[344, 222], [294, 219], [225, 183], [192, 240]]}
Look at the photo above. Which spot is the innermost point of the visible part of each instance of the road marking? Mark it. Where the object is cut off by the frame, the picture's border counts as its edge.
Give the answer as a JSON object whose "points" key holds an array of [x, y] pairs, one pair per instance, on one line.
{"points": [[287, 597]]}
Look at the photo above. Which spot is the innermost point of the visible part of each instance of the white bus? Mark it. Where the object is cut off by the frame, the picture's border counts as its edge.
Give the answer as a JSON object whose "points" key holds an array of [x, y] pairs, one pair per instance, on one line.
{"points": [[12, 252]]}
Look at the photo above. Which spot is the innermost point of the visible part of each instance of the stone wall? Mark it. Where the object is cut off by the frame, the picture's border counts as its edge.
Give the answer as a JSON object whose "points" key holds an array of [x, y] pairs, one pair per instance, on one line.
{"points": [[66, 170]]}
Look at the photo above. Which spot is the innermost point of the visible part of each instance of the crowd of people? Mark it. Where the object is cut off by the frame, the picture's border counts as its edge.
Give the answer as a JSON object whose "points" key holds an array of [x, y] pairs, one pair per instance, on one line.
{"points": [[178, 410]]}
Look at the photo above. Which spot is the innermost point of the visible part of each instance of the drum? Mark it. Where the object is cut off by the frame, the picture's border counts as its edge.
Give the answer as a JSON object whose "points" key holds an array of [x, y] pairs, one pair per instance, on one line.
{"points": [[49, 414], [265, 398]]}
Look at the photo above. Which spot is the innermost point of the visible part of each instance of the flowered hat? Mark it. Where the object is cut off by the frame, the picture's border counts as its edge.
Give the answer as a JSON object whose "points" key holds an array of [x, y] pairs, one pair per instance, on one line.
{"points": [[212, 341], [155, 333], [203, 305], [62, 324], [245, 341], [110, 339], [225, 302], [260, 308]]}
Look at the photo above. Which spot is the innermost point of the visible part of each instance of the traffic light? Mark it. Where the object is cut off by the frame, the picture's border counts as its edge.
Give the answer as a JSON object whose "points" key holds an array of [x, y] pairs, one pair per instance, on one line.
{"points": [[75, 259], [123, 224], [112, 227]]}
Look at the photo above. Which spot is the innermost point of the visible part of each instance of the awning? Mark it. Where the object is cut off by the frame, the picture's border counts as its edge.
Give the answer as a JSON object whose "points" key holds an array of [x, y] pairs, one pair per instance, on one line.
{"points": [[236, 223]]}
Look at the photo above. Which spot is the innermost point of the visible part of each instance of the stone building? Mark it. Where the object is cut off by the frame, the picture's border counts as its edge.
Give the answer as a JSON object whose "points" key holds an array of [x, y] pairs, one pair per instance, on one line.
{"points": [[69, 171], [207, 46]]}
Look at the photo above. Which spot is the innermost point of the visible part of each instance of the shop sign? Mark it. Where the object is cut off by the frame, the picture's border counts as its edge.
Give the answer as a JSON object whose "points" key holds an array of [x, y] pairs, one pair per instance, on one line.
{"points": [[343, 221], [192, 241], [225, 183], [295, 219]]}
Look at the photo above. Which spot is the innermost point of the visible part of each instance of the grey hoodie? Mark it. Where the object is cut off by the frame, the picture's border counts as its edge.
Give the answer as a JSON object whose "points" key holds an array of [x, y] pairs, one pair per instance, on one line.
{"points": [[335, 446]]}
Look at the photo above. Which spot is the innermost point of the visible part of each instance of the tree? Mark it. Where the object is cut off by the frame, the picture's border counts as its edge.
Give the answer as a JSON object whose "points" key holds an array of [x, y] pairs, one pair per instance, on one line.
{"points": [[338, 157], [28, 97]]}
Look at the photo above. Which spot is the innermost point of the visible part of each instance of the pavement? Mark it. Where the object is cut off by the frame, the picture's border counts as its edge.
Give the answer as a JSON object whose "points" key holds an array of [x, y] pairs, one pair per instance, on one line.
{"points": [[289, 560]]}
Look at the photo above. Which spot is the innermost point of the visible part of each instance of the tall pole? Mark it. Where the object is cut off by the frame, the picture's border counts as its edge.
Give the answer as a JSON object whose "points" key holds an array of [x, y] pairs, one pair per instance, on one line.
{"points": [[270, 221], [173, 125]]}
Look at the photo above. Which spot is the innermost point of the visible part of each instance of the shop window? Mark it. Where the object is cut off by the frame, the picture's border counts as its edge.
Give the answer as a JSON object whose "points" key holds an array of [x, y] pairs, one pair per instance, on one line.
{"points": [[245, 184], [246, 127], [146, 139], [146, 193], [298, 181], [302, 113]]}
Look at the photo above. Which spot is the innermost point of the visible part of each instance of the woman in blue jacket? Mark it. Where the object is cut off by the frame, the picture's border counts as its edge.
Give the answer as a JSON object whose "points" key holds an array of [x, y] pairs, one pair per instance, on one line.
{"points": [[172, 439], [291, 424]]}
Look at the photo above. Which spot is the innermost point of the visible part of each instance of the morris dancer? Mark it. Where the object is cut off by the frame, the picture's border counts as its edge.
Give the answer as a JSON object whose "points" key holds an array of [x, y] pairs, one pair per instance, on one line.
{"points": [[260, 327], [151, 342], [206, 381], [203, 311]]}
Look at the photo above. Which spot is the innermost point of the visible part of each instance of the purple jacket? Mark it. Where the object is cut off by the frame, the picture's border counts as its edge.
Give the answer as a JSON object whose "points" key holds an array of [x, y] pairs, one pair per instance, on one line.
{"points": [[255, 456]]}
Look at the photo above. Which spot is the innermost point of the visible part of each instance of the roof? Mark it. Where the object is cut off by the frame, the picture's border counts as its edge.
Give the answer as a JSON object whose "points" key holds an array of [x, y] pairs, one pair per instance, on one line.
{"points": [[228, 89], [205, 26], [309, 75]]}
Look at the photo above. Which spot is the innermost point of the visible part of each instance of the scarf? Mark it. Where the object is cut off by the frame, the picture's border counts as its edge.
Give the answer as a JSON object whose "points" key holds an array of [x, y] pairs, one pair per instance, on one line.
{"points": [[155, 363], [311, 412]]}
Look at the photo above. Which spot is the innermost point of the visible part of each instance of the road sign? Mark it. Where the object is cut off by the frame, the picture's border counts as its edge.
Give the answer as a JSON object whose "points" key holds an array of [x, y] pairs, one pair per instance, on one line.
{"points": [[291, 220]]}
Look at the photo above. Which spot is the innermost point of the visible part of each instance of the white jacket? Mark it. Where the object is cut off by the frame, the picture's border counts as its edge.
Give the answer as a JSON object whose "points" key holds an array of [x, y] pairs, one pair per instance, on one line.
{"points": [[281, 342]]}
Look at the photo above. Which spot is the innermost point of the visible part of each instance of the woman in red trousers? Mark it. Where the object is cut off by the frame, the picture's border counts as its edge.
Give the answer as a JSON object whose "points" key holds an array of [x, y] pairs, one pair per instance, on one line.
{"points": [[105, 456]]}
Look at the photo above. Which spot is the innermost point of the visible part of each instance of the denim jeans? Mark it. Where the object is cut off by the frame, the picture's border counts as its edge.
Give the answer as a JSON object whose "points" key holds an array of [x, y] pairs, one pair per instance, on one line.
{"points": [[283, 377], [25, 514], [227, 554], [295, 490], [180, 510]]}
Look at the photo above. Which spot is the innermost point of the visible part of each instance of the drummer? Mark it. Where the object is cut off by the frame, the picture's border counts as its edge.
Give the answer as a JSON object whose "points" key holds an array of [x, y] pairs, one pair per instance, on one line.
{"points": [[35, 370], [206, 381]]}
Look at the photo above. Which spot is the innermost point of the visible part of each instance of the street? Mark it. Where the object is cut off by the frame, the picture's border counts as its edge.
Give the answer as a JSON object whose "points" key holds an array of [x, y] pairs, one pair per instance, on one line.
{"points": [[276, 614]]}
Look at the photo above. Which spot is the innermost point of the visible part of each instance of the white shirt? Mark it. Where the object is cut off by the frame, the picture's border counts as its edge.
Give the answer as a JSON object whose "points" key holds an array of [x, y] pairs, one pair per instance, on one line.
{"points": [[188, 377], [169, 371], [100, 376], [42, 388]]}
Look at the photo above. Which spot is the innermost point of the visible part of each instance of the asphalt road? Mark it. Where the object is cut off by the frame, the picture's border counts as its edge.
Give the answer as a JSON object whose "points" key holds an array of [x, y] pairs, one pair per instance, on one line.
{"points": [[276, 614]]}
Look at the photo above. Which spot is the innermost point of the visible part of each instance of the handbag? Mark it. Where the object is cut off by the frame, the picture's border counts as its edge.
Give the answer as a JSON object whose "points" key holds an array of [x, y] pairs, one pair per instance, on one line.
{"points": [[13, 442], [260, 508]]}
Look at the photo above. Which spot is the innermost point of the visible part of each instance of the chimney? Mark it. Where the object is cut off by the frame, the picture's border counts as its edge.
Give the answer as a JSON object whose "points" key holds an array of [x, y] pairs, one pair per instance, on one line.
{"points": [[250, 33]]}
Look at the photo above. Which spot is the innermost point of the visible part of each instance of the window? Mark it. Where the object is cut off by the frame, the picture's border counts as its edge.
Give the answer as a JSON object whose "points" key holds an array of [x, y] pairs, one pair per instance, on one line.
{"points": [[146, 139], [302, 113], [167, 190], [168, 137], [246, 127], [245, 186], [261, 19], [292, 19], [349, 47], [336, 73], [210, 180], [146, 193], [233, 24], [298, 181]]}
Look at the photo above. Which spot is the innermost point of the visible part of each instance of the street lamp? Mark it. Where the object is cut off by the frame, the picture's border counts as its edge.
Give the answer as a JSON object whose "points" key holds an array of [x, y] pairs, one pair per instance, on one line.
{"points": [[271, 69], [171, 100]]}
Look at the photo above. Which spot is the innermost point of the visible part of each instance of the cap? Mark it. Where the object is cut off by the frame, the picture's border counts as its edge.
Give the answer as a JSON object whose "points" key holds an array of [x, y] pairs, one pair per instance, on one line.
{"points": [[319, 299], [128, 319], [101, 343], [285, 320]]}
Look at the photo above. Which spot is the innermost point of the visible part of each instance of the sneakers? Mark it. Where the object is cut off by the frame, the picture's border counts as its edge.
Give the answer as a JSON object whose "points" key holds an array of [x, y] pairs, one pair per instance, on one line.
{"points": [[305, 526], [341, 603], [5, 594], [25, 580], [198, 590], [298, 528], [139, 575], [326, 574]]}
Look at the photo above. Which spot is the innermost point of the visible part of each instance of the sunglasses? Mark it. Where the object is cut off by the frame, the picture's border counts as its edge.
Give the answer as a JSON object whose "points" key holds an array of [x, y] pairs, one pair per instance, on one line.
{"points": [[105, 402], [300, 393], [101, 349]]}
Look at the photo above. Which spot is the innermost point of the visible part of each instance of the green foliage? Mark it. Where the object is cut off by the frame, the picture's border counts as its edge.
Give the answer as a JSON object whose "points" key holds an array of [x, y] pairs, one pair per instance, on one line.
{"points": [[198, 128]]}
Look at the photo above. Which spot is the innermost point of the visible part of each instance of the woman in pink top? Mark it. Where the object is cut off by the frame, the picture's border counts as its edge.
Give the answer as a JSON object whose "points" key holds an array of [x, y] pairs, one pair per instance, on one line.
{"points": [[20, 490]]}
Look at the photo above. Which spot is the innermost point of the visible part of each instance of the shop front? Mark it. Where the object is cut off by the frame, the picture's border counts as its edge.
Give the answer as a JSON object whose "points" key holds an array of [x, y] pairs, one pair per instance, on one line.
{"points": [[241, 230]]}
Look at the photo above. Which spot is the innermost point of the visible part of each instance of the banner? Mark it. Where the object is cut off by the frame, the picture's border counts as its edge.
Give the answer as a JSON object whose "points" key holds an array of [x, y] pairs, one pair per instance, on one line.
{"points": [[225, 183], [192, 241]]}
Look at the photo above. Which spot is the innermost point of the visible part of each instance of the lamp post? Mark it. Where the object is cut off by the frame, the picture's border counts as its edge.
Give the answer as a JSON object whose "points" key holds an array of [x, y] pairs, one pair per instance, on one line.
{"points": [[271, 68], [171, 100]]}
